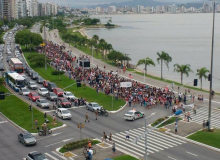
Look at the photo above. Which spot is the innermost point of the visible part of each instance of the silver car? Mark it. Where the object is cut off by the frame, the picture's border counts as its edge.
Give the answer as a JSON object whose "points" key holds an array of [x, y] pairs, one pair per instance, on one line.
{"points": [[42, 103], [51, 96], [36, 156], [27, 138], [93, 106], [32, 85], [24, 91], [42, 91]]}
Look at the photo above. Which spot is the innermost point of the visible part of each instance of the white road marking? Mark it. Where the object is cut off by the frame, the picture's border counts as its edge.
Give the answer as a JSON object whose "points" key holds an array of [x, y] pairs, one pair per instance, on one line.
{"points": [[171, 158], [3, 121], [58, 155], [191, 153], [65, 140], [55, 134], [51, 156]]}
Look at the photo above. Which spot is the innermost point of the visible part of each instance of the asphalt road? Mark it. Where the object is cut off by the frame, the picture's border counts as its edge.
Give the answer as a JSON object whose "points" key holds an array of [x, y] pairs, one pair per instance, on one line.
{"points": [[114, 123]]}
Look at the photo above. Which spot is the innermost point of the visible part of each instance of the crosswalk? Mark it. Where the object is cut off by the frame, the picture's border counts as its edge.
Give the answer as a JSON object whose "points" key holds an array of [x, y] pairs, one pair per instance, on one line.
{"points": [[156, 142], [202, 114], [53, 155]]}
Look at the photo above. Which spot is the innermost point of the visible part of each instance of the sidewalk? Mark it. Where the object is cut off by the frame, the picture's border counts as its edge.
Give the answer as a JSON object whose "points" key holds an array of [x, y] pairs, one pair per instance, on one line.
{"points": [[137, 77]]}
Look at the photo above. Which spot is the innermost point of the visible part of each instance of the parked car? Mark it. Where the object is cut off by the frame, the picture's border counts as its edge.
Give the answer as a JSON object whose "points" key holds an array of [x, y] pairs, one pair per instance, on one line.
{"points": [[33, 96], [42, 103], [34, 75], [42, 91], [51, 86], [93, 106], [40, 80], [63, 102], [58, 91], [32, 85], [51, 96], [27, 138], [36, 156], [69, 95], [24, 91], [45, 83], [63, 113], [133, 115]]}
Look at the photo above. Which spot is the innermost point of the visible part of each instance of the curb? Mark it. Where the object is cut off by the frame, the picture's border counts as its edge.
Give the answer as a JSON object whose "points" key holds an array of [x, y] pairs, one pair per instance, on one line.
{"points": [[64, 125], [192, 141], [118, 109]]}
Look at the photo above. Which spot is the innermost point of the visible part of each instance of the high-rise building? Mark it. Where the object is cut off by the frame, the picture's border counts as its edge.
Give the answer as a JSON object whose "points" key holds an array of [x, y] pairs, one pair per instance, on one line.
{"points": [[48, 9], [111, 9], [98, 9], [5, 9], [54, 9], [34, 8], [138, 9], [20, 9]]}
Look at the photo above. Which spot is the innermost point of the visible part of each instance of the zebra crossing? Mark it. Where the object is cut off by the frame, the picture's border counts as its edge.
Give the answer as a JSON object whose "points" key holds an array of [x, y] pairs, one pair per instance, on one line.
{"points": [[202, 114], [156, 142], [54, 156]]}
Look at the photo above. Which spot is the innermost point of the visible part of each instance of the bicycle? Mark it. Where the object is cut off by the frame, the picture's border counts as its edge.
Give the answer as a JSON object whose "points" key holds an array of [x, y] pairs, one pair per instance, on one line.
{"points": [[85, 150]]}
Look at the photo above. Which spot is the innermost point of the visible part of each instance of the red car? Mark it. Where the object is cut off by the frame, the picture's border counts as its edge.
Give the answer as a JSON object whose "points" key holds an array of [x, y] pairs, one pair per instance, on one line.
{"points": [[64, 103], [33, 96], [58, 91], [45, 83]]}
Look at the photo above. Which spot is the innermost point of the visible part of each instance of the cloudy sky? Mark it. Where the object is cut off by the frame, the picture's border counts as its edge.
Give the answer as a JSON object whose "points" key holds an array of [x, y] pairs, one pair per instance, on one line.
{"points": [[94, 2]]}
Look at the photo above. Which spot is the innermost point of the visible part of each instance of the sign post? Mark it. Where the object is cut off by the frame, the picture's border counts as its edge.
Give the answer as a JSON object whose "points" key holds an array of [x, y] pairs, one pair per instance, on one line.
{"points": [[80, 126]]}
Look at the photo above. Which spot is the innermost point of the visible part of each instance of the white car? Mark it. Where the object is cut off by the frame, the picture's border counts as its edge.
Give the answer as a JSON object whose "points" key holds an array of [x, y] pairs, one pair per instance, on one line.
{"points": [[24, 91], [69, 95], [133, 115], [63, 113], [42, 91], [32, 85]]}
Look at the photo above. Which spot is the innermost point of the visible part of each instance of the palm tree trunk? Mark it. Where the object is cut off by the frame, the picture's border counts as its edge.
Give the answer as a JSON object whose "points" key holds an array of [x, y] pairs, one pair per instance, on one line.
{"points": [[201, 82], [181, 78], [145, 69], [161, 69]]}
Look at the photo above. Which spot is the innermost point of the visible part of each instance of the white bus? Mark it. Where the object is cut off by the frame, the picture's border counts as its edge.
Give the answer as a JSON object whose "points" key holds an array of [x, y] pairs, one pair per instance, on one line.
{"points": [[14, 80]]}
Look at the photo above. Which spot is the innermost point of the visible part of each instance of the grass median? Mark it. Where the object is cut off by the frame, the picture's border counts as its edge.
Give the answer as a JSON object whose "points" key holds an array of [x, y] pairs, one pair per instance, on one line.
{"points": [[125, 157], [209, 138], [18, 111], [88, 93]]}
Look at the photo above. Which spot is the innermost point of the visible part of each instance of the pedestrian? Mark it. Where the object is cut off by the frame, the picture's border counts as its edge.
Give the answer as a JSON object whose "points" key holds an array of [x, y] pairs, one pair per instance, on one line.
{"points": [[188, 116], [129, 101], [104, 137], [194, 109], [113, 148], [193, 97], [127, 135], [54, 105], [84, 85], [184, 108], [175, 128], [44, 127], [110, 138], [203, 124], [96, 114], [36, 123], [45, 117], [87, 117], [54, 120], [184, 99], [207, 124]]}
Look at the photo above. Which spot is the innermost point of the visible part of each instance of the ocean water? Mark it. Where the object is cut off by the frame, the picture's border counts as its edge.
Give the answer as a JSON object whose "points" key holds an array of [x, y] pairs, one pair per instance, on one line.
{"points": [[185, 37]]}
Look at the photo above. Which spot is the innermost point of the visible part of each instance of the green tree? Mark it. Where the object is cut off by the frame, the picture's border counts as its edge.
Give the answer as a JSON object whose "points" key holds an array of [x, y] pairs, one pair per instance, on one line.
{"points": [[182, 69], [146, 62], [23, 37], [36, 39], [96, 39], [202, 73], [163, 57]]}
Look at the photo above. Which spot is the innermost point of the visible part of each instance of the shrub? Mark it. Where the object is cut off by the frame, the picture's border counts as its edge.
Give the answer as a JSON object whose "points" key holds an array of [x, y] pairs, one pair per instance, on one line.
{"points": [[57, 72]]}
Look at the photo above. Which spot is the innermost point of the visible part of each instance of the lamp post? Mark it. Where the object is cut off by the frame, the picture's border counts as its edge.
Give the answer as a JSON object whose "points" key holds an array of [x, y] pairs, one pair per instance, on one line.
{"points": [[45, 47], [211, 68], [145, 65]]}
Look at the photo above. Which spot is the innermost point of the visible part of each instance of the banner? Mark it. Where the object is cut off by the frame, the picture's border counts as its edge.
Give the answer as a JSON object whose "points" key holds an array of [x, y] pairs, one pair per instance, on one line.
{"points": [[125, 84]]}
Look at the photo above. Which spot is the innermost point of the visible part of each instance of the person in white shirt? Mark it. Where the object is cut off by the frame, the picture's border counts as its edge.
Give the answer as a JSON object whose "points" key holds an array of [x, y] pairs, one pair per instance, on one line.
{"points": [[127, 135]]}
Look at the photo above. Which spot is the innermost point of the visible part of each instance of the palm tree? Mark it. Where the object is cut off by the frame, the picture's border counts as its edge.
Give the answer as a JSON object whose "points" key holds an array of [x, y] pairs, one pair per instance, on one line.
{"points": [[182, 69], [96, 39], [146, 62], [163, 57], [202, 73]]}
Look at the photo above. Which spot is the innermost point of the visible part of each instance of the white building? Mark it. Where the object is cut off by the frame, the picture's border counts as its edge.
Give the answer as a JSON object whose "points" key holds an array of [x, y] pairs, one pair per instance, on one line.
{"points": [[54, 9], [112, 9], [172, 8], [48, 9], [138, 9], [20, 9], [98, 9]]}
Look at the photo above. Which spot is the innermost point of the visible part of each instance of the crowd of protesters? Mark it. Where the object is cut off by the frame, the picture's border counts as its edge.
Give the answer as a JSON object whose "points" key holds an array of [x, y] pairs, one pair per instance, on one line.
{"points": [[109, 81]]}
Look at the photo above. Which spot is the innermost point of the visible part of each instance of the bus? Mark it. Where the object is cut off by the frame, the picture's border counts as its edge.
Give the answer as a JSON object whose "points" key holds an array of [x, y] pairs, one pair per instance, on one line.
{"points": [[16, 65], [14, 80]]}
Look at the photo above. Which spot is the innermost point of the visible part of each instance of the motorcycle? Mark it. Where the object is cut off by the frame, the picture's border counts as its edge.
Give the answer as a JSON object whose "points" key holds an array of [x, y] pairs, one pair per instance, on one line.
{"points": [[103, 113], [41, 131]]}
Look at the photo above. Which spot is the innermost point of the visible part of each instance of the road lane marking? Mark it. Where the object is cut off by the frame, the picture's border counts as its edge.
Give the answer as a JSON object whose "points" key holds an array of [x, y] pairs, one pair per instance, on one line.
{"points": [[191, 153], [171, 158], [3, 122], [58, 155], [55, 134], [51, 156], [65, 140]]}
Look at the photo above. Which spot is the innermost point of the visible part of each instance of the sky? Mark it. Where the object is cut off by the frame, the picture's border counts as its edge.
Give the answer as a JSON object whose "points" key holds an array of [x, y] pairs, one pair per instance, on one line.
{"points": [[81, 3]]}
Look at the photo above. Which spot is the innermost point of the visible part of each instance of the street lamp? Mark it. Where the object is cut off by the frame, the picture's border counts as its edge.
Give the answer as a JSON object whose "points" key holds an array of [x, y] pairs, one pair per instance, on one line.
{"points": [[45, 47], [211, 68], [152, 114]]}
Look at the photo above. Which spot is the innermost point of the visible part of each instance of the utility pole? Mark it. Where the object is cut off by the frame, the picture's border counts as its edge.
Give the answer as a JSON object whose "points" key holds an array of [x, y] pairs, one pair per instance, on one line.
{"points": [[45, 41], [80, 126], [145, 68], [211, 68]]}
